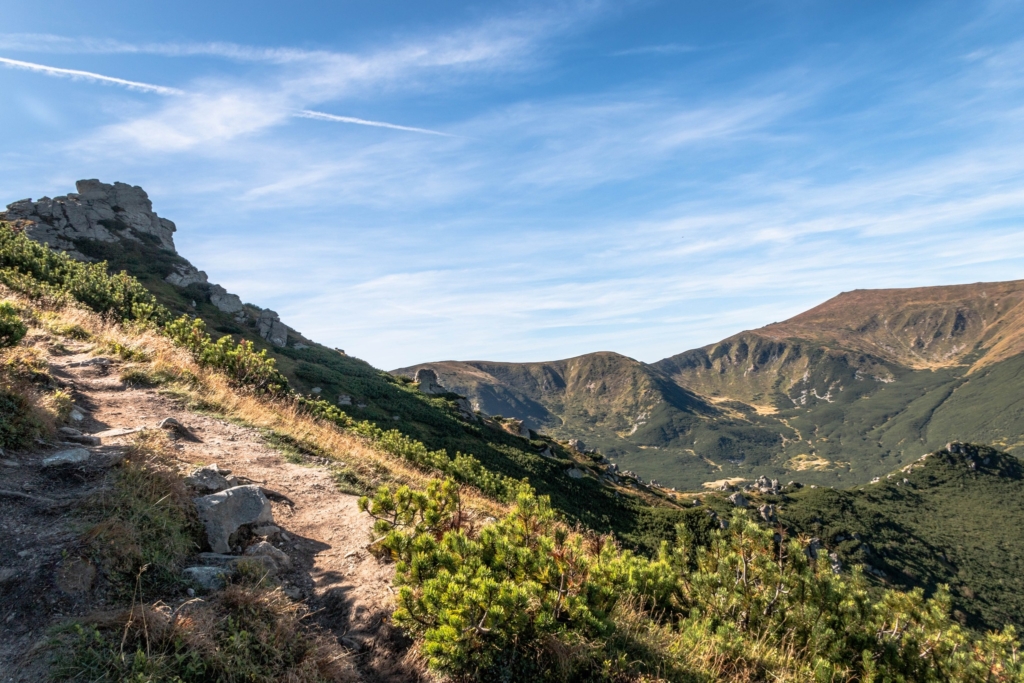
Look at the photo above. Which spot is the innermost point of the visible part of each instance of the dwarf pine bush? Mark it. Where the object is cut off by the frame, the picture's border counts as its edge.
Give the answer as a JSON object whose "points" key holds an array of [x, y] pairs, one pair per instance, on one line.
{"points": [[526, 596]]}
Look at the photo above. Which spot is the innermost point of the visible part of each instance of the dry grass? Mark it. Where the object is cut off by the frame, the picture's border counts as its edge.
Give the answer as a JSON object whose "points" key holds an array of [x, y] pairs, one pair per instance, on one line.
{"points": [[154, 356], [244, 633]]}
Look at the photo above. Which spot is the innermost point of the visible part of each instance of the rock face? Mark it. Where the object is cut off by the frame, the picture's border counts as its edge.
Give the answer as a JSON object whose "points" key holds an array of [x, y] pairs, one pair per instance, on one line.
{"points": [[427, 379], [224, 513], [270, 327], [107, 213]]}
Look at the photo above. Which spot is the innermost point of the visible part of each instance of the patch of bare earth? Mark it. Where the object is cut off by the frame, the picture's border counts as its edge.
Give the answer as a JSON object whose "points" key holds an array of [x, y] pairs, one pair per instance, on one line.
{"points": [[346, 588]]}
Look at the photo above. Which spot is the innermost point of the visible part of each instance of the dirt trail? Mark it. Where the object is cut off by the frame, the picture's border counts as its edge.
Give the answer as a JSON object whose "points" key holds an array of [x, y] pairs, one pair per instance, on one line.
{"points": [[326, 536]]}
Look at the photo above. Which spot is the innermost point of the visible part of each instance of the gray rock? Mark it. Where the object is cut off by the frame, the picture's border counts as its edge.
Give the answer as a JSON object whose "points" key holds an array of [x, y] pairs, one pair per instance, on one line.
{"points": [[224, 513], [428, 383], [70, 456], [106, 213], [225, 301], [344, 400], [574, 473], [265, 549], [210, 479], [738, 500], [69, 431], [185, 275], [835, 563], [577, 445], [206, 578], [271, 328], [767, 513], [77, 415]]}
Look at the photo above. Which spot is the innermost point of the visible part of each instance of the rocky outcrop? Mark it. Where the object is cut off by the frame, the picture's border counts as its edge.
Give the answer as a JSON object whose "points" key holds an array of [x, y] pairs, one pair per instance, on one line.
{"points": [[270, 327], [428, 382], [122, 213], [107, 213]]}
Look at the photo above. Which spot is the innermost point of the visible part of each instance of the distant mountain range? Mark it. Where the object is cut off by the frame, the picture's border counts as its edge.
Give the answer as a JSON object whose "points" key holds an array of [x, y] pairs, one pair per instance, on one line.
{"points": [[842, 393]]}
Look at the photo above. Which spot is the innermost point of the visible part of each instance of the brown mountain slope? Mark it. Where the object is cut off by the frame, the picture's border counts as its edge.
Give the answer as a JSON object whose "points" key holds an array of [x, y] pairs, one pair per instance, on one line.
{"points": [[922, 327], [859, 333]]}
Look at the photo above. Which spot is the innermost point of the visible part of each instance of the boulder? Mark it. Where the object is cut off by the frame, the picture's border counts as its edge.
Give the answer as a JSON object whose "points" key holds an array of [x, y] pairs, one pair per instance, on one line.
{"points": [[265, 549], [574, 473], [577, 445], [184, 275], [206, 578], [69, 456], [835, 563], [98, 211], [224, 513], [738, 500], [767, 513], [225, 301]]}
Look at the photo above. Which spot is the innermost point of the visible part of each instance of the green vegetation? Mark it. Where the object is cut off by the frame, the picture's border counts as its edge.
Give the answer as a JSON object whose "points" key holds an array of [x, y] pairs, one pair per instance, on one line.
{"points": [[12, 329], [958, 520], [528, 597], [244, 366]]}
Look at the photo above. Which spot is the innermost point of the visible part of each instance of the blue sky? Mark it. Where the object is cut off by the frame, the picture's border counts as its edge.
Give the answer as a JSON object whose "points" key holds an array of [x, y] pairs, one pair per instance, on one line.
{"points": [[552, 178]]}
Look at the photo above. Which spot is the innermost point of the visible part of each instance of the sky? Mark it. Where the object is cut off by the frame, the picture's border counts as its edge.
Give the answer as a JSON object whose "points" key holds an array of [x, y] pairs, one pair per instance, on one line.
{"points": [[526, 181]]}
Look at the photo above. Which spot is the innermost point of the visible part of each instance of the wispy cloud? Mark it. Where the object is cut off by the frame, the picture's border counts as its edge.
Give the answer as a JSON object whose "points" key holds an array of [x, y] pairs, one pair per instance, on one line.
{"points": [[665, 49], [321, 116], [89, 76]]}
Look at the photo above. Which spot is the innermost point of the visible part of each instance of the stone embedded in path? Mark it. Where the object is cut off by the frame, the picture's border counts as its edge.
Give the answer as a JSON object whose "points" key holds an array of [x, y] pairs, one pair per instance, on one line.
{"points": [[265, 549], [69, 456], [210, 479], [224, 513]]}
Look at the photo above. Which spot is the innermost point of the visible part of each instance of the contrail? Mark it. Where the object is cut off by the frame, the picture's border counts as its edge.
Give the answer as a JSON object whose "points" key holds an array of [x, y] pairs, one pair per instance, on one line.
{"points": [[321, 116], [88, 75]]}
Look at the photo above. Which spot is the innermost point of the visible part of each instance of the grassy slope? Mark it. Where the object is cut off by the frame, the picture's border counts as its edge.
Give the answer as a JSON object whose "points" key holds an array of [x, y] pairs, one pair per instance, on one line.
{"points": [[950, 524], [380, 398]]}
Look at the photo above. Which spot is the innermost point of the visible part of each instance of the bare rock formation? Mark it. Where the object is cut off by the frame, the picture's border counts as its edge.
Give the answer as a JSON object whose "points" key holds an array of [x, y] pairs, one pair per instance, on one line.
{"points": [[107, 213]]}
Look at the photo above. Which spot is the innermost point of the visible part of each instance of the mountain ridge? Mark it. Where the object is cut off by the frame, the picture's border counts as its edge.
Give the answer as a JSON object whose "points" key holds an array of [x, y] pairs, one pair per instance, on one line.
{"points": [[866, 379]]}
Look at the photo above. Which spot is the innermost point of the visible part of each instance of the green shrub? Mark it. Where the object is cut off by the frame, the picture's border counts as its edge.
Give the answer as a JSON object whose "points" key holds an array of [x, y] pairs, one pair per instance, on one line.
{"points": [[12, 329], [244, 366], [527, 597], [463, 468], [36, 270]]}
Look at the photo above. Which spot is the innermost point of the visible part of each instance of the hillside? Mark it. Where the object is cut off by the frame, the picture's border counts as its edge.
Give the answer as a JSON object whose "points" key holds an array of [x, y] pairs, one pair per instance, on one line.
{"points": [[951, 518], [107, 401], [842, 393], [116, 223]]}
